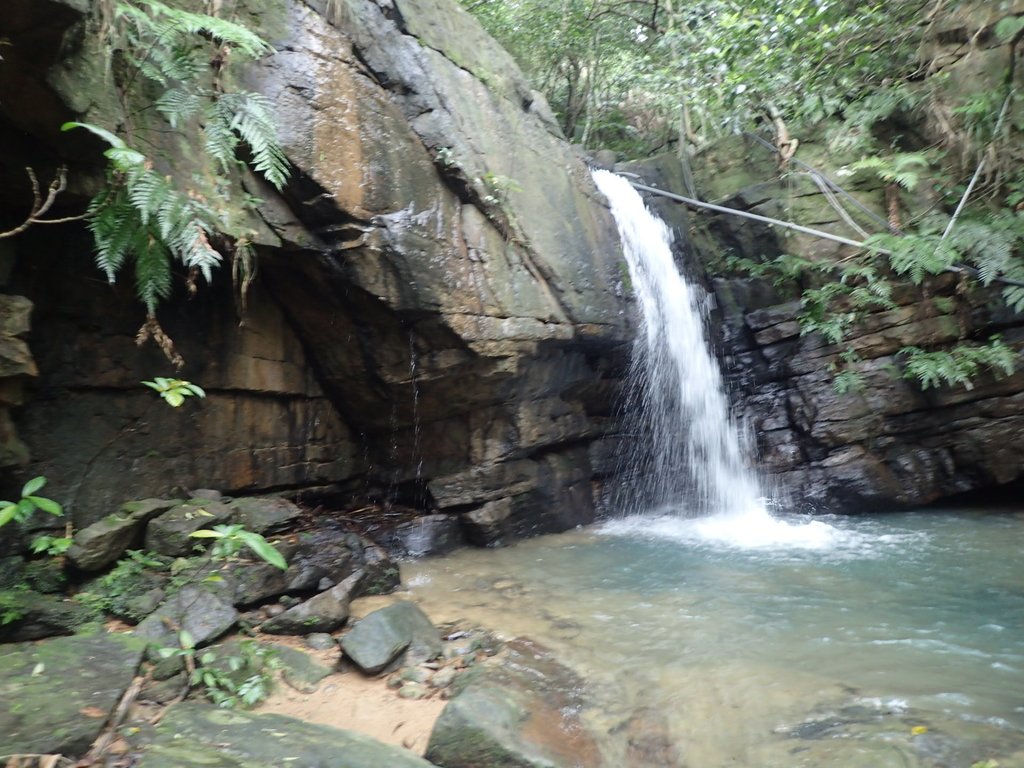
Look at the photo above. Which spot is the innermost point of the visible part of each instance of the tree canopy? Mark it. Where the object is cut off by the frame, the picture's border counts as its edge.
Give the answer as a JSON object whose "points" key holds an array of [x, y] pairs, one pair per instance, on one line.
{"points": [[890, 89]]}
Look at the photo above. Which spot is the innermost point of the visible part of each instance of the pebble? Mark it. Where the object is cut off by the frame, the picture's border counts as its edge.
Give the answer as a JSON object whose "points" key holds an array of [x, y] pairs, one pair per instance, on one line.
{"points": [[414, 675], [413, 691], [320, 641], [443, 678], [272, 610]]}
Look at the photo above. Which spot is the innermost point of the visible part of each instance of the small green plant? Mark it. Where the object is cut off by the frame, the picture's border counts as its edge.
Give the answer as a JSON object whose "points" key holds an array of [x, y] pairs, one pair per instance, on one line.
{"points": [[174, 391], [903, 168], [19, 511], [229, 540], [499, 188], [244, 679], [127, 580], [54, 546], [12, 604]]}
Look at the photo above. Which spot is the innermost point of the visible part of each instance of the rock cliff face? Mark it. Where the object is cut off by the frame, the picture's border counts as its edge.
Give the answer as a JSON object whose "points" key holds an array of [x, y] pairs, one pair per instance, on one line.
{"points": [[437, 316], [890, 444]]}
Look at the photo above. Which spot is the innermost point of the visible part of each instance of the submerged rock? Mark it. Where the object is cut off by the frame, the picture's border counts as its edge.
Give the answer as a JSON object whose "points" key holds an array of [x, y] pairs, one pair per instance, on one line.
{"points": [[55, 695], [380, 637], [202, 736]]}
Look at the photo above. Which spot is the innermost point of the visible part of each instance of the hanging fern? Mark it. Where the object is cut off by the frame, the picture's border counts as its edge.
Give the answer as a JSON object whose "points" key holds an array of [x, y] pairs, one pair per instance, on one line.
{"points": [[144, 217], [959, 365]]}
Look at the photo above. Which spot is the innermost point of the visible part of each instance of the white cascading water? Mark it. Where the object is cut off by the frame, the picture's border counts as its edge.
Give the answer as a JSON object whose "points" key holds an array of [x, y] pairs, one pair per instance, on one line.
{"points": [[697, 464]]}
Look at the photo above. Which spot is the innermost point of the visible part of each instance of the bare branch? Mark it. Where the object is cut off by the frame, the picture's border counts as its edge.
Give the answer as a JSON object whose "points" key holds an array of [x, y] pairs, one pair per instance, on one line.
{"points": [[39, 205]]}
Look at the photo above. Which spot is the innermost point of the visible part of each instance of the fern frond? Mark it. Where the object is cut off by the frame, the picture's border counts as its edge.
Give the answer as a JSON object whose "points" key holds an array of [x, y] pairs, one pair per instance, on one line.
{"points": [[221, 30], [152, 271], [114, 225], [256, 127], [220, 140], [147, 192], [179, 104]]}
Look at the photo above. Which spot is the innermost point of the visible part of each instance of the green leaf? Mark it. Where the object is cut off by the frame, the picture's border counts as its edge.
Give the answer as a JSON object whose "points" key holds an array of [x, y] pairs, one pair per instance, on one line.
{"points": [[47, 505], [8, 513], [173, 398], [33, 485], [111, 138], [185, 640], [1009, 28], [264, 549], [206, 534]]}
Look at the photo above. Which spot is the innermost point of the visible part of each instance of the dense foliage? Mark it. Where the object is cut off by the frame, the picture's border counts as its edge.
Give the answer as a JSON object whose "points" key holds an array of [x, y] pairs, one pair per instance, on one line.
{"points": [[870, 79], [170, 70]]}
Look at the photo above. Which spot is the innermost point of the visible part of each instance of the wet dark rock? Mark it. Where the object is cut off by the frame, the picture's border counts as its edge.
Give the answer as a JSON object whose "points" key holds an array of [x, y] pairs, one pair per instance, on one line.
{"points": [[382, 574], [489, 525], [379, 638], [523, 714], [324, 612], [424, 536], [46, 576], [202, 736], [170, 533], [32, 615], [323, 553], [204, 614], [254, 581], [55, 695], [98, 545], [12, 571]]}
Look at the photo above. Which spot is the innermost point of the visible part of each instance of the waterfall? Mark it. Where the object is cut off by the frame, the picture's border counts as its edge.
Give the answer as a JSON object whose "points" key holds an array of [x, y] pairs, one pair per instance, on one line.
{"points": [[696, 462]]}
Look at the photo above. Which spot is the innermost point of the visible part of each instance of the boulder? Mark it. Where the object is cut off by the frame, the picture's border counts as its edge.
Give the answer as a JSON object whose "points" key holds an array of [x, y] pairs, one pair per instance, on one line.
{"points": [[204, 614], [170, 533], [489, 525], [56, 695], [266, 515], [203, 736], [98, 545], [30, 615], [424, 536], [523, 714], [324, 612], [380, 638]]}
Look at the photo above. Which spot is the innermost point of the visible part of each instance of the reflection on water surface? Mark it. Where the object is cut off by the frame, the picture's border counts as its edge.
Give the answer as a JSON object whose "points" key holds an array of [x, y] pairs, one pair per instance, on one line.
{"points": [[892, 640]]}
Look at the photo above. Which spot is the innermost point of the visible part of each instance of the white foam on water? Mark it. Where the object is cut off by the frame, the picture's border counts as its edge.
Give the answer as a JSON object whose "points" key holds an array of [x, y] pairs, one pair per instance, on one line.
{"points": [[752, 529]]}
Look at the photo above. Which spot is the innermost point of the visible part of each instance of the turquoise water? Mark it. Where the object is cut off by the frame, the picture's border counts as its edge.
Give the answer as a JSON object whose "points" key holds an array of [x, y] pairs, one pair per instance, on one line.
{"points": [[869, 641]]}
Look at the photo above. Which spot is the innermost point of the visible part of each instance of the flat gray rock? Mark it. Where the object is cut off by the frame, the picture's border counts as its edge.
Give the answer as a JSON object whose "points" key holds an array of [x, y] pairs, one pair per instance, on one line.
{"points": [[203, 736], [266, 515], [381, 636], [203, 614], [55, 695]]}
